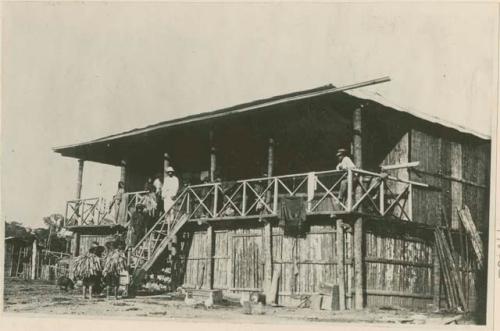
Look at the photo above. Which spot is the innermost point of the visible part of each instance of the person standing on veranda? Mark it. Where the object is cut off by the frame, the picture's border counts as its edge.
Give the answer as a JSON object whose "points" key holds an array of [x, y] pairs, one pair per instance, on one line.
{"points": [[169, 189], [345, 163]]}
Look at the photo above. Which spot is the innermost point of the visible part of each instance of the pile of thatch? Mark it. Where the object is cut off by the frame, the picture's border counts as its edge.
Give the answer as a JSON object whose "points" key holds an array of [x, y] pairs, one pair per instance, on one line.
{"points": [[86, 266], [114, 263]]}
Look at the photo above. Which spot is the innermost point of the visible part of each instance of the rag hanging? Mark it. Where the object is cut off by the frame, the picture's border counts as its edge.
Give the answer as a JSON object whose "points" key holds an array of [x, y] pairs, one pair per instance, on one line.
{"points": [[293, 215]]}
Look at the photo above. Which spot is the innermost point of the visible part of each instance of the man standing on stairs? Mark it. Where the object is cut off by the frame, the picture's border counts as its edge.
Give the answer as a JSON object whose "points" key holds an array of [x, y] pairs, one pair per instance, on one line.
{"points": [[169, 189]]}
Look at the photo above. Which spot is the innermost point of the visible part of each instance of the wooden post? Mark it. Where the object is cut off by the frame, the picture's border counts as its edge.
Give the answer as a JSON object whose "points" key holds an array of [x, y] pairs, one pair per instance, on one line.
{"points": [[213, 158], [33, 260], [79, 179], [436, 276], [166, 163], [268, 236], [123, 171], [210, 253], [270, 158], [358, 223], [77, 244], [340, 263]]}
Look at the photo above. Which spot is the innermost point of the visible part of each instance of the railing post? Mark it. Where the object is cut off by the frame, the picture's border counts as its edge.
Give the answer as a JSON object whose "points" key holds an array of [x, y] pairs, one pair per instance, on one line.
{"points": [[410, 202], [216, 195], [382, 197], [66, 215], [275, 198], [349, 190], [310, 190], [244, 202]]}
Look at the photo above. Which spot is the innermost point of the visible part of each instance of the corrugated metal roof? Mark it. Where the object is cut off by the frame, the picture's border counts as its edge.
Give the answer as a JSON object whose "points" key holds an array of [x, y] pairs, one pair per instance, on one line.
{"points": [[263, 103]]}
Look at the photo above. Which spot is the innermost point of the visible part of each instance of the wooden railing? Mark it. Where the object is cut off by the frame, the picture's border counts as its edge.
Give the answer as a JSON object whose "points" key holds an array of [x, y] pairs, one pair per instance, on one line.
{"points": [[326, 192], [91, 211], [97, 211]]}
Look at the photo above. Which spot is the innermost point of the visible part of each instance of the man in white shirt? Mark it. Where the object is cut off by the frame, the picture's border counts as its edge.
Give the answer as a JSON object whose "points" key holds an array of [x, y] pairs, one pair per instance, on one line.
{"points": [[169, 189], [345, 163]]}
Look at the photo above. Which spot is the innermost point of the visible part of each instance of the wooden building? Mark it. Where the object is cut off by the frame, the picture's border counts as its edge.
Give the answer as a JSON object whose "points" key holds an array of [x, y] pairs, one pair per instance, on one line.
{"points": [[377, 245]]}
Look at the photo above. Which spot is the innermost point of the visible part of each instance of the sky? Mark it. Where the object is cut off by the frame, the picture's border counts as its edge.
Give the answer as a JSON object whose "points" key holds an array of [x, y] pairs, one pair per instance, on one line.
{"points": [[78, 71]]}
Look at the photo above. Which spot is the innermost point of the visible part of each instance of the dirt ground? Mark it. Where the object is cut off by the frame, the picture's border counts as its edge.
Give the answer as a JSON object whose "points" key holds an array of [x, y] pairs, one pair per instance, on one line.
{"points": [[39, 297]]}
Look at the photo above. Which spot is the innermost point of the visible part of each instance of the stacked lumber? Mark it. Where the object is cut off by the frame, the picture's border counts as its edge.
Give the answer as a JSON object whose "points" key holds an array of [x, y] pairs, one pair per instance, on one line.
{"points": [[451, 279], [472, 233]]}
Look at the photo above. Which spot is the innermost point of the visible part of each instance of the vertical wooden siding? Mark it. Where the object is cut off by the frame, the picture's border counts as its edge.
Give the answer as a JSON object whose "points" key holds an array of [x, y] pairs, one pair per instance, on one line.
{"points": [[87, 240], [398, 271], [458, 172], [305, 262]]}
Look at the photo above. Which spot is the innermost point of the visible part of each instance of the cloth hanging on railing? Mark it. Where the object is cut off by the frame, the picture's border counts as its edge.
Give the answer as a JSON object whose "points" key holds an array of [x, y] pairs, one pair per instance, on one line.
{"points": [[292, 215]]}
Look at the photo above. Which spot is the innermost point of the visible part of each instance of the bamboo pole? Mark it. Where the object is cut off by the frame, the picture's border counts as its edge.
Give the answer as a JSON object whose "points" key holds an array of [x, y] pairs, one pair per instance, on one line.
{"points": [[210, 253], [79, 179], [33, 260], [340, 264], [213, 158], [436, 275], [166, 163], [268, 255], [123, 171], [358, 223]]}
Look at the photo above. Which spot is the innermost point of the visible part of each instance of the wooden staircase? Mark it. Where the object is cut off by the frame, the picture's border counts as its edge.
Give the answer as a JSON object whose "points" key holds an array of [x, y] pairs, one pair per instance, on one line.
{"points": [[160, 238]]}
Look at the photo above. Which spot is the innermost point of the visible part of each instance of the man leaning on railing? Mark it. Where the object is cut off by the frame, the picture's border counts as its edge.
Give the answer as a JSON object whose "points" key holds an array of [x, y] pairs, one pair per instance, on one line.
{"points": [[345, 163]]}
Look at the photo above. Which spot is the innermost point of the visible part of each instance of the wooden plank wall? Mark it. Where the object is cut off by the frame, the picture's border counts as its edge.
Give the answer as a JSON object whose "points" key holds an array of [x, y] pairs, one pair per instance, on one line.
{"points": [[467, 162], [398, 270], [304, 262], [426, 203], [239, 260], [398, 267], [196, 261], [87, 240]]}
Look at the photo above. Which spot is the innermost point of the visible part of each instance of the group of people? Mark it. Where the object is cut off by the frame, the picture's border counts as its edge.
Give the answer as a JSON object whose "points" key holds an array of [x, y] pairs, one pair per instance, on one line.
{"points": [[100, 268], [160, 197], [161, 192]]}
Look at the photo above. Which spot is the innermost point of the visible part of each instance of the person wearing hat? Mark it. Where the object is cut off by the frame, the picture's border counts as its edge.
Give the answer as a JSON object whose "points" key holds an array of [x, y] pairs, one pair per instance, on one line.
{"points": [[345, 163], [169, 189]]}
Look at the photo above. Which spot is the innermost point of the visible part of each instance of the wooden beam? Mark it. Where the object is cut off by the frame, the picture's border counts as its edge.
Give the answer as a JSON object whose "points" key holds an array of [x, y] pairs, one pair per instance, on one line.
{"points": [[166, 163], [268, 257], [77, 244], [267, 233], [436, 276], [33, 260], [123, 171], [213, 157], [358, 223], [340, 266], [79, 179], [400, 166], [210, 253]]}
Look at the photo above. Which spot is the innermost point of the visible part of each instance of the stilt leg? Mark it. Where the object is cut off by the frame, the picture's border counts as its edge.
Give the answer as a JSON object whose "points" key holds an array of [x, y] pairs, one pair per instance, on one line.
{"points": [[90, 292]]}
